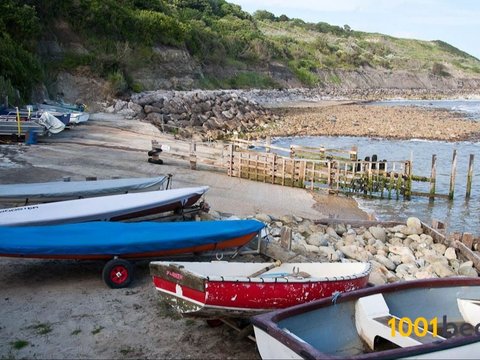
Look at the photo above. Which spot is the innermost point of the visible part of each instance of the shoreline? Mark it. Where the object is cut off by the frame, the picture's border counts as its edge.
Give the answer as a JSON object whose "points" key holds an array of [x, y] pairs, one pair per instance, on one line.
{"points": [[373, 121]]}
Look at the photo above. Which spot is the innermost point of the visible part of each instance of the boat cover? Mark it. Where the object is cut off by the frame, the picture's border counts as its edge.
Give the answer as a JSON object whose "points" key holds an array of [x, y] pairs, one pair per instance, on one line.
{"points": [[75, 189], [99, 208], [51, 123], [116, 239]]}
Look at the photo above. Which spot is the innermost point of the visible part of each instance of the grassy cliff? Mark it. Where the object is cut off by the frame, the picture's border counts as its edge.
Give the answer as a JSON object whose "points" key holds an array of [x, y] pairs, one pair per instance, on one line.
{"points": [[111, 39]]}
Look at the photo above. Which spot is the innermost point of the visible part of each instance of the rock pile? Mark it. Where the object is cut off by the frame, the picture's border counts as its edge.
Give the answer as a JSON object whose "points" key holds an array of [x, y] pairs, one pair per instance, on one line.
{"points": [[398, 253], [205, 114]]}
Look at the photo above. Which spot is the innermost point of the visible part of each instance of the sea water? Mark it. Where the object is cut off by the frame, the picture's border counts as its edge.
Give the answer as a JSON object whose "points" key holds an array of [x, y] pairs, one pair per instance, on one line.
{"points": [[460, 215]]}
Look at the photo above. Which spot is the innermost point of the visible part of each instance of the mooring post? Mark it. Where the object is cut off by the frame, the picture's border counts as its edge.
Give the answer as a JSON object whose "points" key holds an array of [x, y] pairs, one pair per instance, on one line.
{"points": [[433, 177], [469, 176], [452, 175], [230, 160], [354, 153], [312, 178], [268, 143]]}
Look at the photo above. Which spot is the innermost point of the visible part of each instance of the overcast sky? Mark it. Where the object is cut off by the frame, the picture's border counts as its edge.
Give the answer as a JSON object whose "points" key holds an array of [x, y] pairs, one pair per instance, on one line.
{"points": [[456, 22]]}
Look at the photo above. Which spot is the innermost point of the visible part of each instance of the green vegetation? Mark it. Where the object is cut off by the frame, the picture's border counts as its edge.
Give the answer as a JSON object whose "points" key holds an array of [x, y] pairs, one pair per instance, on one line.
{"points": [[76, 332], [97, 330], [42, 328], [19, 344], [120, 36]]}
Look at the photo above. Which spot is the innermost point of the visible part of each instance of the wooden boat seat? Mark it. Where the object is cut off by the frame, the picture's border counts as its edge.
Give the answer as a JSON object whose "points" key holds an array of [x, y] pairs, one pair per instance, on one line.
{"points": [[470, 310], [371, 320]]}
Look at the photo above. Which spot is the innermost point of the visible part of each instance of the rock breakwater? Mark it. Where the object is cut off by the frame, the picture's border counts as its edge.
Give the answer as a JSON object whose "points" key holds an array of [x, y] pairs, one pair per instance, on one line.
{"points": [[201, 114]]}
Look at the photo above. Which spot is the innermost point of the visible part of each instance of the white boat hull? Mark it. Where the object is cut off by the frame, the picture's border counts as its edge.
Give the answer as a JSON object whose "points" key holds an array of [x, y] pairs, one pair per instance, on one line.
{"points": [[103, 208]]}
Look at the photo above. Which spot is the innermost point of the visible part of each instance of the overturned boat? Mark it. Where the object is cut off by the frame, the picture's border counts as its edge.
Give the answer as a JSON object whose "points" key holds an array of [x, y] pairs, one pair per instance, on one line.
{"points": [[103, 208], [424, 319], [235, 289], [121, 241]]}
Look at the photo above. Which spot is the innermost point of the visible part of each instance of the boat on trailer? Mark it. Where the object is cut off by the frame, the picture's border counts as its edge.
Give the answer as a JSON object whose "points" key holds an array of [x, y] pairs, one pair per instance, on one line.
{"points": [[234, 289], [103, 208], [68, 190], [422, 319], [118, 242]]}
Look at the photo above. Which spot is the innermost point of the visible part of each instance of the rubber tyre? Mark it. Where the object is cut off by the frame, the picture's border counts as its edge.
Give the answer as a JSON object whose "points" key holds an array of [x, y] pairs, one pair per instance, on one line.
{"points": [[117, 273], [155, 161]]}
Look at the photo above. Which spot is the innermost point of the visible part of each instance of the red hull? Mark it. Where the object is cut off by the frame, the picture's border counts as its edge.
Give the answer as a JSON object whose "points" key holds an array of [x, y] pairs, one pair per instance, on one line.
{"points": [[204, 297], [260, 296]]}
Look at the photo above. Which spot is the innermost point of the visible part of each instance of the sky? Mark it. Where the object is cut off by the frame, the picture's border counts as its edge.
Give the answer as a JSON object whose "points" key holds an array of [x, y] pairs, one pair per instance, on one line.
{"points": [[456, 22]]}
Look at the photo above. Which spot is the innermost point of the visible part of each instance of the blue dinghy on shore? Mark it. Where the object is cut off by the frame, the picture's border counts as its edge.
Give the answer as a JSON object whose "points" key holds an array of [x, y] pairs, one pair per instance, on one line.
{"points": [[111, 240]]}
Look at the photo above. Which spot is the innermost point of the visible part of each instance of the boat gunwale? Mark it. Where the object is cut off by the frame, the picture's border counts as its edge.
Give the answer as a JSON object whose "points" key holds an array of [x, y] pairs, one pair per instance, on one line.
{"points": [[280, 279], [269, 322]]}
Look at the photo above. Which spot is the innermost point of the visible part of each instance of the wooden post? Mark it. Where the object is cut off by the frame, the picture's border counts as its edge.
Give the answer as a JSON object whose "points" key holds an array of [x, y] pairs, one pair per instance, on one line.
{"points": [[268, 142], [408, 181], [392, 181], [230, 162], [370, 180], [329, 169], [353, 153], [433, 177], [452, 175], [283, 171], [293, 173], [292, 152], [337, 174], [312, 178], [274, 162], [469, 176]]}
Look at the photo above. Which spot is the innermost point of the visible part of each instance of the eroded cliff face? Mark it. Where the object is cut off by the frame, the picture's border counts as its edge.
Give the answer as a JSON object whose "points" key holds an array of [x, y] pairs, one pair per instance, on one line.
{"points": [[385, 79], [171, 68]]}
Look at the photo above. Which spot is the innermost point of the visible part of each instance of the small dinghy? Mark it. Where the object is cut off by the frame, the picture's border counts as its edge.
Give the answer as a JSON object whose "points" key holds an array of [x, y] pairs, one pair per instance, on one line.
{"points": [[102, 208], [234, 289], [120, 241], [427, 319]]}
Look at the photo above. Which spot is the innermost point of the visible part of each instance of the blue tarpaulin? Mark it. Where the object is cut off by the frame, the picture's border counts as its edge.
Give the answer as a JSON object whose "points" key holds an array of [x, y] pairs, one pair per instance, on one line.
{"points": [[116, 239]]}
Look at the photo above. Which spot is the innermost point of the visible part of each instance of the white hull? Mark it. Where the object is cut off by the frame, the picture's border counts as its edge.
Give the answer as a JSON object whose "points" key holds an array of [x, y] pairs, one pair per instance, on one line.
{"points": [[270, 348], [99, 208]]}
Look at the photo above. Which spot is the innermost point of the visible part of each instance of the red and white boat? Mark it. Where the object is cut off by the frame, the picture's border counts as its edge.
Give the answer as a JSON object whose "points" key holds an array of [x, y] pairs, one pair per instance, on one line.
{"points": [[234, 289]]}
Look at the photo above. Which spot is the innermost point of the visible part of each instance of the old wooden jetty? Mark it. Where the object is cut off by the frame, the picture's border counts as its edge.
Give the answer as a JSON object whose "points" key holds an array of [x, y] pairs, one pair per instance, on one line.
{"points": [[314, 168]]}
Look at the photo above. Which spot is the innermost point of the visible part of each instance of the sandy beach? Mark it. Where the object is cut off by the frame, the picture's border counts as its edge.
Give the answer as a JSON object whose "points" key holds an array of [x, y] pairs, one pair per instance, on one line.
{"points": [[62, 309]]}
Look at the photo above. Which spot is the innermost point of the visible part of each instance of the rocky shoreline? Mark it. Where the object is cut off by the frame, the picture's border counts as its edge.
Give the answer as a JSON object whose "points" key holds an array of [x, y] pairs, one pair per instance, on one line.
{"points": [[212, 115], [397, 253]]}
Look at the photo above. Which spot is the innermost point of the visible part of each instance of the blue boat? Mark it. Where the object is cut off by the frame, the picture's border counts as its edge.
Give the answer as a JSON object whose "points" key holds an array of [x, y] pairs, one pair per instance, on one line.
{"points": [[120, 241]]}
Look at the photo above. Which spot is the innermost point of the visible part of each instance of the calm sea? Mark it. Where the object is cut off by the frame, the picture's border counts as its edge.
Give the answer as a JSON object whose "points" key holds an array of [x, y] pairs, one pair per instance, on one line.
{"points": [[460, 214]]}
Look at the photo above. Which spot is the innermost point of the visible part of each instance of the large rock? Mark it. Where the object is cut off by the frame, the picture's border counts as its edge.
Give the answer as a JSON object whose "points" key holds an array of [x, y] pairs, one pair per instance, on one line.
{"points": [[442, 270], [317, 239], [389, 264], [378, 233]]}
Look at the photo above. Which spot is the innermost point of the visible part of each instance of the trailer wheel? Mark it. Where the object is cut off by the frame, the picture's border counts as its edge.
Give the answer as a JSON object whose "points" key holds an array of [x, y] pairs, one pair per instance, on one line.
{"points": [[117, 273]]}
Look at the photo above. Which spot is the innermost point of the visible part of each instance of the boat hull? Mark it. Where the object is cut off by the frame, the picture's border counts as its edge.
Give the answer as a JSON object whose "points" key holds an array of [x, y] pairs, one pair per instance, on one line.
{"points": [[309, 330], [104, 240], [198, 296], [102, 208]]}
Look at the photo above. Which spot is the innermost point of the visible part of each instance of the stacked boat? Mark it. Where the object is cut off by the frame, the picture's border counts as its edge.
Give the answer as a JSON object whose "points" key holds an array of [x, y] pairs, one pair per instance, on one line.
{"points": [[90, 227], [41, 119]]}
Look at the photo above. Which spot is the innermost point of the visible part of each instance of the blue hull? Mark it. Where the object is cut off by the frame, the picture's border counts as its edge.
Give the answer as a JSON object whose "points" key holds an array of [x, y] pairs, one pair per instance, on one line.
{"points": [[102, 240]]}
